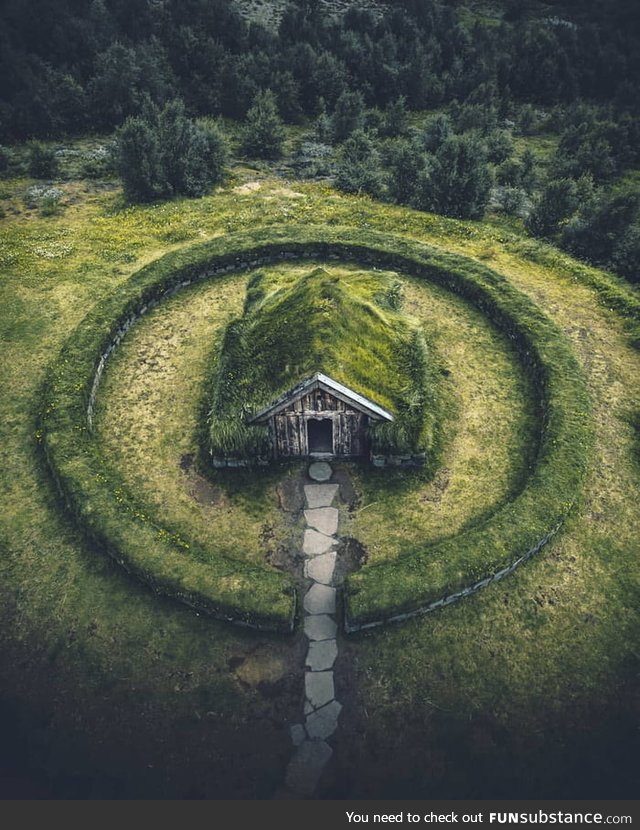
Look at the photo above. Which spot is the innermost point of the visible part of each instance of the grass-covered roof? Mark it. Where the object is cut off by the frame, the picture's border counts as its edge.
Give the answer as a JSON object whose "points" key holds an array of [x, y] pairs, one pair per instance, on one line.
{"points": [[348, 325]]}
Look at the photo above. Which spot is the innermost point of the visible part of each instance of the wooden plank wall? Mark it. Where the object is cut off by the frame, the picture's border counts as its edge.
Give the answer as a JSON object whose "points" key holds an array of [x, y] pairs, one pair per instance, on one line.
{"points": [[290, 426]]}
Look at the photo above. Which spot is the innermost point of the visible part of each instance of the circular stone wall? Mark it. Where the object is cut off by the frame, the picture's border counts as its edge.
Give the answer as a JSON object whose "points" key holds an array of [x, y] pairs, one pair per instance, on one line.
{"points": [[415, 582]]}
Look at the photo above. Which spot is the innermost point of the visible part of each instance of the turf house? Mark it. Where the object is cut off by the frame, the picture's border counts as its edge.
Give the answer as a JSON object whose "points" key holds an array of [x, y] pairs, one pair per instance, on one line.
{"points": [[322, 366]]}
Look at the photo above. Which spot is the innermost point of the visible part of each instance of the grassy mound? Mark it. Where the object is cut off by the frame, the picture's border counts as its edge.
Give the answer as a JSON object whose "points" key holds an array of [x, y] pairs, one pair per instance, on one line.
{"points": [[350, 329], [416, 580]]}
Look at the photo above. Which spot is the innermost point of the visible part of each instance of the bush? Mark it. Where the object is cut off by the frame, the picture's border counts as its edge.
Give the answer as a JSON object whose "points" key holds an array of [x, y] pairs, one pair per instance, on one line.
{"points": [[263, 132], [600, 226], [348, 115], [46, 199], [513, 201], [162, 154], [42, 162], [626, 254], [358, 167], [395, 121], [557, 202], [50, 204], [499, 146], [405, 162], [314, 159], [456, 181], [436, 132]]}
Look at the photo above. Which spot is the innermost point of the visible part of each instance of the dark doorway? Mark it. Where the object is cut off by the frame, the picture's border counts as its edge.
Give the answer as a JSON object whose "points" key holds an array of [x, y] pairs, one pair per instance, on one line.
{"points": [[320, 435]]}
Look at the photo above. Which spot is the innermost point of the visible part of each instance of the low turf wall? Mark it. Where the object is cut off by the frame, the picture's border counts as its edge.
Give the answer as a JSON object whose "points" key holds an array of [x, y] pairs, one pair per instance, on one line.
{"points": [[418, 580]]}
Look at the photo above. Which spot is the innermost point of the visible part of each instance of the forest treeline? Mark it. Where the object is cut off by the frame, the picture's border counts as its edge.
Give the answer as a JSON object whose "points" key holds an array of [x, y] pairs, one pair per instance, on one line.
{"points": [[74, 65], [148, 67]]}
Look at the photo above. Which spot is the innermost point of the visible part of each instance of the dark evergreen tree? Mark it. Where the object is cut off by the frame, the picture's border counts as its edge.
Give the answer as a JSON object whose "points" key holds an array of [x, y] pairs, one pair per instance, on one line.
{"points": [[405, 162], [395, 121], [139, 160], [457, 180], [42, 162], [287, 94], [263, 132], [558, 201], [348, 115], [162, 153], [116, 88], [625, 258], [436, 131], [600, 226], [358, 168]]}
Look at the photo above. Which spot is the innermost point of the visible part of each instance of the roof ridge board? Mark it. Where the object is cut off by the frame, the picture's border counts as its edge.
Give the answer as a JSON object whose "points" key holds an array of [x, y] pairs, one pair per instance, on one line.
{"points": [[315, 381]]}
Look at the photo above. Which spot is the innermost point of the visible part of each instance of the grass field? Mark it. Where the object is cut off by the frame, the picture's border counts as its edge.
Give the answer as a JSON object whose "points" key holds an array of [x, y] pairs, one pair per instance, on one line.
{"points": [[149, 407], [529, 688]]}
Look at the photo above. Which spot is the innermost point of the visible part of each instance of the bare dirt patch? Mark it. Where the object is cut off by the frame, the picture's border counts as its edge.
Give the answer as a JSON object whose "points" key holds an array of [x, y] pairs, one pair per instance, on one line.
{"points": [[247, 187]]}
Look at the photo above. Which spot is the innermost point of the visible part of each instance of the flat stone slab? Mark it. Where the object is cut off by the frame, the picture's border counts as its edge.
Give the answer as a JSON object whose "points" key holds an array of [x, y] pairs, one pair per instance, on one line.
{"points": [[321, 656], [316, 543], [320, 471], [297, 733], [320, 495], [305, 768], [321, 568], [323, 722], [320, 627], [323, 519], [318, 688], [320, 599]]}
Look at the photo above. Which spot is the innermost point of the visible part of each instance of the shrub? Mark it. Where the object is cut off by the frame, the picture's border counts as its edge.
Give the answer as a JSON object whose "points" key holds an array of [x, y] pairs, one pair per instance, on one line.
{"points": [[513, 201], [263, 132], [499, 146], [50, 204], [626, 254], [557, 202], [348, 115], [358, 166], [395, 121], [46, 199], [600, 226], [42, 162], [456, 181], [163, 154], [405, 161], [314, 159], [436, 132]]}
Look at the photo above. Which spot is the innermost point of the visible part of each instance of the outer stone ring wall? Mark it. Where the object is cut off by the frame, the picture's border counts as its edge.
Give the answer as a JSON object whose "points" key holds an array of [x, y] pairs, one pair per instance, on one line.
{"points": [[418, 581]]}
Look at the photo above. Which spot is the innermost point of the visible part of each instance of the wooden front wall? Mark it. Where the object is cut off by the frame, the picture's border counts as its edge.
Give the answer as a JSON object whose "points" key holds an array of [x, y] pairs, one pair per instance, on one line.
{"points": [[289, 426]]}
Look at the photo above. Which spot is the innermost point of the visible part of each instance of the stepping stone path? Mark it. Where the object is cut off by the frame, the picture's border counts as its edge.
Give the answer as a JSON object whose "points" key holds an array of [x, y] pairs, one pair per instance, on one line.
{"points": [[321, 709]]}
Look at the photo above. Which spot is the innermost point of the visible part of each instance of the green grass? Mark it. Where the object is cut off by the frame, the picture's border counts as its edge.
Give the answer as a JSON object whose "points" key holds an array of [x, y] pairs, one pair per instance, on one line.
{"points": [[489, 432], [224, 587], [147, 424], [525, 689]]}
